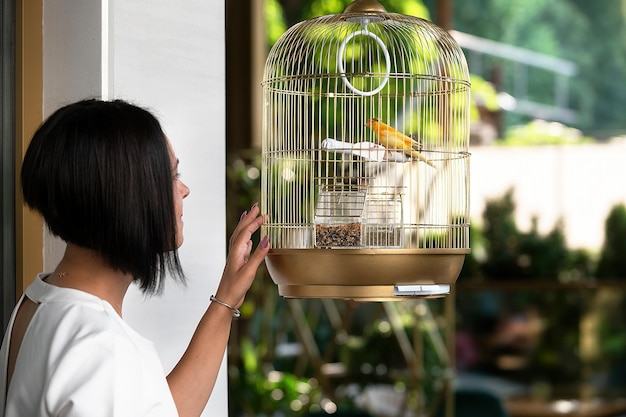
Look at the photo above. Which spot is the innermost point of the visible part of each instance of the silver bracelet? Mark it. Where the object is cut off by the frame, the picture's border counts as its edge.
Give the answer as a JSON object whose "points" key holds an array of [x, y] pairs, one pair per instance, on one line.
{"points": [[236, 312]]}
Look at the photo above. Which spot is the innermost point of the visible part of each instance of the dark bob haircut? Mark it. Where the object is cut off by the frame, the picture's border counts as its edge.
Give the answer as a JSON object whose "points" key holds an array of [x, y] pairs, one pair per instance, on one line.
{"points": [[99, 172]]}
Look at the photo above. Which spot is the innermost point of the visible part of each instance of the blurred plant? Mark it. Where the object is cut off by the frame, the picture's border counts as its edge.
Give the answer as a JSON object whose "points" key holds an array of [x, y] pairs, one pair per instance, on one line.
{"points": [[417, 372], [530, 260], [607, 306], [541, 132], [293, 12], [260, 390], [260, 383], [483, 94], [472, 265], [263, 383], [508, 253], [243, 185], [612, 263]]}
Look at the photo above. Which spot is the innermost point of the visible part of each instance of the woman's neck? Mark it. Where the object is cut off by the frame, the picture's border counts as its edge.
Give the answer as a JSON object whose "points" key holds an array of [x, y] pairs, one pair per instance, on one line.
{"points": [[86, 270]]}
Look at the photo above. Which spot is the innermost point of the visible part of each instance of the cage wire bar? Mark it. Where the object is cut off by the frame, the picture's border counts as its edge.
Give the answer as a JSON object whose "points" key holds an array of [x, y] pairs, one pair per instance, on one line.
{"points": [[365, 150]]}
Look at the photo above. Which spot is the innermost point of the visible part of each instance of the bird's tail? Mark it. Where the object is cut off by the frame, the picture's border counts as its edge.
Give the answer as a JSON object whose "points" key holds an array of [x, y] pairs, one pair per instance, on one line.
{"points": [[418, 155]]}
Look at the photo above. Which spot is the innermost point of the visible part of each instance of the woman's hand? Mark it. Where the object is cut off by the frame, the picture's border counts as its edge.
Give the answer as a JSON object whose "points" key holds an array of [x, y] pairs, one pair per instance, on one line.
{"points": [[241, 262]]}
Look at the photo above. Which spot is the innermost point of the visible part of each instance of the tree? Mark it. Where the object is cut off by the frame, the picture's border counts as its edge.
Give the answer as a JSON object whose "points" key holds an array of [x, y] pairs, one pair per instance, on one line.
{"points": [[514, 254], [604, 66], [612, 263], [295, 11]]}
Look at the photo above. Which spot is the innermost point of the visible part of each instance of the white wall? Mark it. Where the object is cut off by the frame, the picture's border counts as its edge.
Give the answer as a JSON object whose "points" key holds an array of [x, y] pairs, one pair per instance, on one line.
{"points": [[578, 184], [168, 56]]}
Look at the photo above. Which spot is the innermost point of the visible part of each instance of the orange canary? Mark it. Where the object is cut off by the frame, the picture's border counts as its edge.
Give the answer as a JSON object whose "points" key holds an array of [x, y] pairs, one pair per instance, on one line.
{"points": [[392, 139]]}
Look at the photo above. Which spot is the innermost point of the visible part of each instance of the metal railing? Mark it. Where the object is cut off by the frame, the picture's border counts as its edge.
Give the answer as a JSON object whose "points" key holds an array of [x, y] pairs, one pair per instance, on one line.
{"points": [[522, 60]]}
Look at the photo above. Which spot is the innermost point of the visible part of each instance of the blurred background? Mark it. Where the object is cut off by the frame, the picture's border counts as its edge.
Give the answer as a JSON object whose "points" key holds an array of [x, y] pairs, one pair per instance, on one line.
{"points": [[537, 319]]}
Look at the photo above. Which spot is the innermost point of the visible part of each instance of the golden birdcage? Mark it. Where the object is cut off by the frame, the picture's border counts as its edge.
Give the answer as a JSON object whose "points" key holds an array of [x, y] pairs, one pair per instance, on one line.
{"points": [[365, 161]]}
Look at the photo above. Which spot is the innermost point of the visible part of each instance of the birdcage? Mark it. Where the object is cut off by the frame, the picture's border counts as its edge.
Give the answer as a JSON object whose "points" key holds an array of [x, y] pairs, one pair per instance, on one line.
{"points": [[365, 157]]}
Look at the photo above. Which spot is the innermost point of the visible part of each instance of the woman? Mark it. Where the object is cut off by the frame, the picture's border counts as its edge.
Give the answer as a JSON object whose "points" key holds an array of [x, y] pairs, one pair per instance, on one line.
{"points": [[105, 179]]}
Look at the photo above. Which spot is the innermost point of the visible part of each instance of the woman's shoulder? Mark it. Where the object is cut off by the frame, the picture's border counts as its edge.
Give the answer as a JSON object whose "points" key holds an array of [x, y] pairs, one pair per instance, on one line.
{"points": [[72, 316], [91, 361]]}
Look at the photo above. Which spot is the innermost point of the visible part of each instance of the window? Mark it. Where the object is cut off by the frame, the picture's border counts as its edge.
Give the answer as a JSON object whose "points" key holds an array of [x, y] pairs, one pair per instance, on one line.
{"points": [[7, 159]]}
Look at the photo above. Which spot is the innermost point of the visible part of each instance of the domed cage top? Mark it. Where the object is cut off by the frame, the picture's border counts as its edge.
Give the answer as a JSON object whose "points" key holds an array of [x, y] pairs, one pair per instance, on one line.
{"points": [[365, 157]]}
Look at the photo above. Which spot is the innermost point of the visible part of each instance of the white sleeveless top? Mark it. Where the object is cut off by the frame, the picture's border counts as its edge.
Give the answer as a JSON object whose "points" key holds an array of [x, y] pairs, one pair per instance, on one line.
{"points": [[79, 358]]}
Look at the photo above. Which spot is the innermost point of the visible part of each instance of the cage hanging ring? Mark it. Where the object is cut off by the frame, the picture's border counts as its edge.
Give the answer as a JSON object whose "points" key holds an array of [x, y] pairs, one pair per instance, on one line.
{"points": [[342, 70]]}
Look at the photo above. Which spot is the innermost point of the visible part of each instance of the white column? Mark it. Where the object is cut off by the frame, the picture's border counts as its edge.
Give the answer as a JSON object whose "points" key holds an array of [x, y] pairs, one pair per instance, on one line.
{"points": [[168, 56]]}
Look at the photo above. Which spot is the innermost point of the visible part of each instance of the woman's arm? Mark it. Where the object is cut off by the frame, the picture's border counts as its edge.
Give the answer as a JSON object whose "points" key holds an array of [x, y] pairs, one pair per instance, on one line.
{"points": [[193, 378]]}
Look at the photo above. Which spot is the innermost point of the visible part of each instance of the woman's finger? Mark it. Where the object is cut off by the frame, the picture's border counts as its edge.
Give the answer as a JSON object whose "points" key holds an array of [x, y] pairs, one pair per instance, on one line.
{"points": [[255, 259], [241, 244], [249, 222]]}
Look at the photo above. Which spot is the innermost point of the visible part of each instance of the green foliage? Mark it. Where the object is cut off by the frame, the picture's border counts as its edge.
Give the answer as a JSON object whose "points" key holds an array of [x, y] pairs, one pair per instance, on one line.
{"points": [[511, 254], [274, 21], [243, 189], [484, 94], [540, 132], [326, 7], [410, 8], [612, 263], [472, 265], [263, 392], [263, 384], [601, 53], [281, 14]]}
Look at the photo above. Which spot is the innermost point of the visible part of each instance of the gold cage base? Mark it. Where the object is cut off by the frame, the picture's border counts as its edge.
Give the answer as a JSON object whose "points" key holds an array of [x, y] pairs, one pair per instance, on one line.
{"points": [[365, 274]]}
